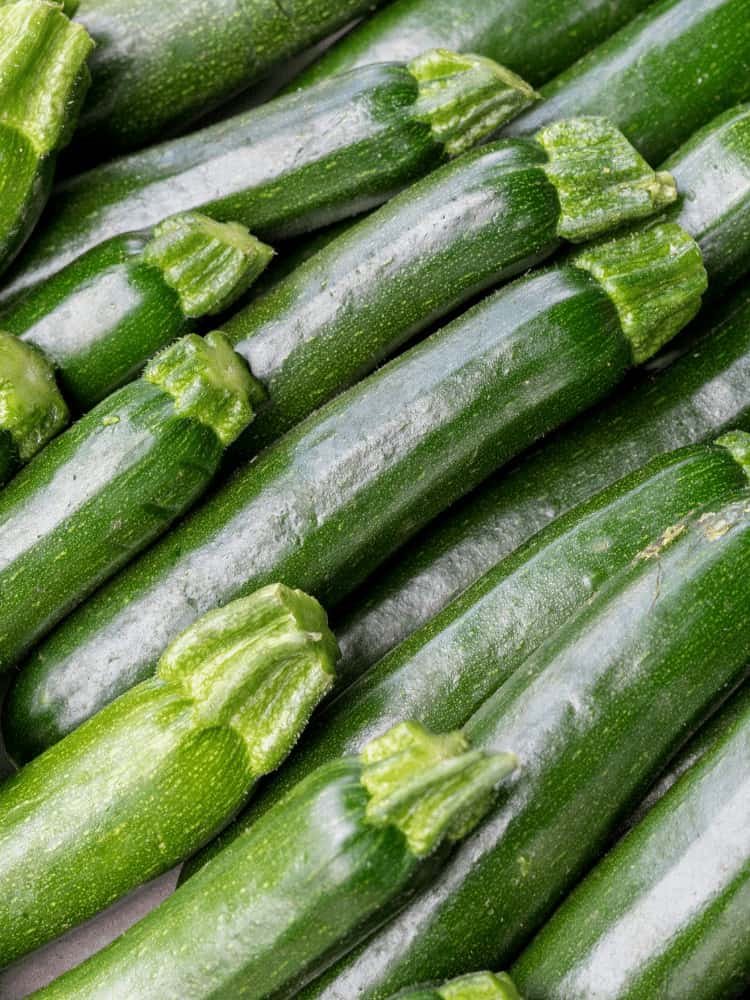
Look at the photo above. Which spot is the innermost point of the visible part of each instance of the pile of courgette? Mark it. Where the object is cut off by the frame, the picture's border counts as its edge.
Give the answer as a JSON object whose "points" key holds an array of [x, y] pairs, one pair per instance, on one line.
{"points": [[514, 764]]}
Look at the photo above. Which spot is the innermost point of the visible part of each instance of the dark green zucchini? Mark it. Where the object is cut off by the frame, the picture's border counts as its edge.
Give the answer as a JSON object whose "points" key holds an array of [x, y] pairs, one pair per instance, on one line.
{"points": [[103, 316], [321, 508], [665, 913], [153, 776], [662, 76], [536, 38], [43, 81], [443, 672], [113, 482], [341, 854], [469, 225], [706, 395], [293, 165], [593, 714], [476, 986]]}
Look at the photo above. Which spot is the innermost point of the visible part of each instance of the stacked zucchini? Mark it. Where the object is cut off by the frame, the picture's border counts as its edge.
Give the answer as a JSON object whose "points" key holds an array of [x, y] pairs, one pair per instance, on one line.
{"points": [[525, 771]]}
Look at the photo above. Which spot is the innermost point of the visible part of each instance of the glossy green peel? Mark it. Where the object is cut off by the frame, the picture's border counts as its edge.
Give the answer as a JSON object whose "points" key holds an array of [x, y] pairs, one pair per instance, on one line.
{"points": [[32, 410]]}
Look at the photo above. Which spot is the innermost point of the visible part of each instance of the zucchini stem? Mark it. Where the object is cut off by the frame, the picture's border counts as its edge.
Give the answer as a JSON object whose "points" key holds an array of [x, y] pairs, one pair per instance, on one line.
{"points": [[32, 410], [479, 986]]}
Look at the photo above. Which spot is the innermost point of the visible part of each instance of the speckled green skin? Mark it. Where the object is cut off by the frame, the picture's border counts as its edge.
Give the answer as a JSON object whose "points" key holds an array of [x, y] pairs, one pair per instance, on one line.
{"points": [[157, 66], [704, 396], [536, 38], [674, 67], [96, 495], [327, 503], [290, 166], [593, 714], [665, 913], [9, 461]]}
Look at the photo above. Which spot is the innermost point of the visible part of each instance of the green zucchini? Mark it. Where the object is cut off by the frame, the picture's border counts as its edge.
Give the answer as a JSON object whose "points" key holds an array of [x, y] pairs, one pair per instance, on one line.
{"points": [[444, 672], [469, 225], [536, 38], [43, 80], [662, 76], [155, 774], [665, 913], [113, 482], [293, 165], [476, 986], [706, 395], [321, 508], [104, 315], [593, 714], [344, 851]]}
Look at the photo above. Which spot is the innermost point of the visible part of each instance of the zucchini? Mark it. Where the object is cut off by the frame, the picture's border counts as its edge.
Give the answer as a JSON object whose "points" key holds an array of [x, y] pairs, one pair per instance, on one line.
{"points": [[43, 80], [104, 315], [157, 67], [476, 986], [665, 913], [340, 854], [706, 395], [321, 508], [444, 672], [536, 38], [295, 164], [593, 715], [100, 492], [155, 774], [659, 78], [471, 224]]}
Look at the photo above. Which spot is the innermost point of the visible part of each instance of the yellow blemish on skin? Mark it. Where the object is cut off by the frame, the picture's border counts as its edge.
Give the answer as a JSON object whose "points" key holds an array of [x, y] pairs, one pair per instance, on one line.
{"points": [[665, 539], [714, 528]]}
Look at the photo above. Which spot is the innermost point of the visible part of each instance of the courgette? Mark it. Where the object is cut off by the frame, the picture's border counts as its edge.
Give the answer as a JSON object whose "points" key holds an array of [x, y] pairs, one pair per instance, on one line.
{"points": [[536, 38], [43, 80], [113, 482], [329, 501], [155, 774], [665, 913], [706, 395], [340, 854], [103, 316], [593, 714], [469, 225], [659, 78], [476, 986], [293, 165], [444, 672]]}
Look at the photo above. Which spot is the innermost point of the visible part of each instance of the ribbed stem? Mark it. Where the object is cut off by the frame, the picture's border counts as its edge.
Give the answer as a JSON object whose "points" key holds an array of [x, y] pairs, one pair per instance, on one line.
{"points": [[208, 264], [260, 665], [465, 98], [655, 277], [208, 382], [737, 444], [32, 410], [432, 788], [43, 72], [601, 180]]}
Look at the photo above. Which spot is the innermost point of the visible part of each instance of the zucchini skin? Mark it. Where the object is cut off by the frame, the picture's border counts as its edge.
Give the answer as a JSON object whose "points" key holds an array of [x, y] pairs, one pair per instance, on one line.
{"points": [[9, 460], [665, 912], [442, 673], [694, 56], [153, 72], [588, 748], [108, 486], [535, 38], [704, 395], [328, 502]]}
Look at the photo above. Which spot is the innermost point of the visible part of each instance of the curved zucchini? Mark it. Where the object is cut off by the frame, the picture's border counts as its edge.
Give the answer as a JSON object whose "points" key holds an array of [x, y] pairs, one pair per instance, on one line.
{"points": [[341, 854], [103, 316], [153, 776], [665, 913], [293, 165], [43, 80], [476, 986], [593, 715], [443, 672], [327, 503], [536, 38], [662, 76], [469, 225], [100, 492], [706, 395]]}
